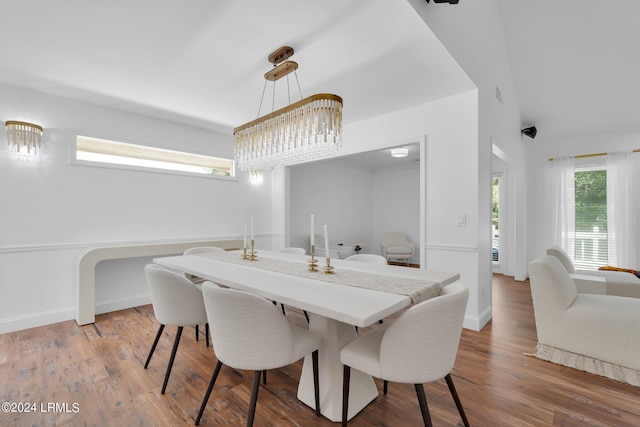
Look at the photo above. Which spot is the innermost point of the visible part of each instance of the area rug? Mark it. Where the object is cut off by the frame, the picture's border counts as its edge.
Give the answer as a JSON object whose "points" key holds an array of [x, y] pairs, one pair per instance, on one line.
{"points": [[587, 364]]}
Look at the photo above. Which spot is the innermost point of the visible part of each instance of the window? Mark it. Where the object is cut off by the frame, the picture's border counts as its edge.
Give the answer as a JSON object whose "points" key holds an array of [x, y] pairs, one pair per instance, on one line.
{"points": [[123, 155], [495, 220], [594, 200], [591, 242]]}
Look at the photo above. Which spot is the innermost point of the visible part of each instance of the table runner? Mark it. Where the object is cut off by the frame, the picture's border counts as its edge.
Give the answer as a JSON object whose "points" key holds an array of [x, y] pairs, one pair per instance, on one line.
{"points": [[418, 290]]}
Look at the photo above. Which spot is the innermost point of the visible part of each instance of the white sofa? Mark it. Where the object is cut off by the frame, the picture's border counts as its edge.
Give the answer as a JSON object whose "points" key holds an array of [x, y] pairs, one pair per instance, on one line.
{"points": [[601, 327], [614, 283]]}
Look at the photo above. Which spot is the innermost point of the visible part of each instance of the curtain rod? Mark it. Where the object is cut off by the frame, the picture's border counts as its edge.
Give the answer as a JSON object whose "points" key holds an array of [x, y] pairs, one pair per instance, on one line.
{"points": [[584, 156]]}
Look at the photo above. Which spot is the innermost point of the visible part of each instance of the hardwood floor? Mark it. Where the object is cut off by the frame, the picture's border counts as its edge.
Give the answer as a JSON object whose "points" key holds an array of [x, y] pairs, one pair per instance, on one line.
{"points": [[99, 368]]}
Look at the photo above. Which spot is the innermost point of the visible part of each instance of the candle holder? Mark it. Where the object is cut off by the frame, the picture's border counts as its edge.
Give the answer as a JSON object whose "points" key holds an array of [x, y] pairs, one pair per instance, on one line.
{"points": [[244, 253], [253, 255], [313, 263], [328, 269]]}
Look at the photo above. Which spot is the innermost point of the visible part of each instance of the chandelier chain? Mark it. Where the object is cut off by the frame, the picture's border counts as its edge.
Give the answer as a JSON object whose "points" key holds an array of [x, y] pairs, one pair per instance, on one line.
{"points": [[262, 97]]}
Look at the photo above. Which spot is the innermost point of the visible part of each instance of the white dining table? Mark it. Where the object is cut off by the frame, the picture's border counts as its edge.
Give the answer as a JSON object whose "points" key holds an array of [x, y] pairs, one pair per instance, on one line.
{"points": [[334, 309]]}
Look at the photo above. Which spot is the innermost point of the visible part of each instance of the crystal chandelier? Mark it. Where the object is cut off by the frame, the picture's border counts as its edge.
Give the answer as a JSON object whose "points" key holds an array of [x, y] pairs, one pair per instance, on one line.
{"points": [[24, 139], [309, 129]]}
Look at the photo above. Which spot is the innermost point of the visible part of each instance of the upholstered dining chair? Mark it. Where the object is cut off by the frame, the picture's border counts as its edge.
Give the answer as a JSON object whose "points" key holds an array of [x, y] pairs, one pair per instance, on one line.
{"points": [[420, 346], [293, 250], [395, 246], [371, 258], [197, 280], [176, 302], [202, 250], [296, 251], [249, 333]]}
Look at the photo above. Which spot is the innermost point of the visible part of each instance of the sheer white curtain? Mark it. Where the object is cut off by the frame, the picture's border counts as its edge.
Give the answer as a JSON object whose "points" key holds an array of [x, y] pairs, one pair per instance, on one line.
{"points": [[622, 201], [561, 177]]}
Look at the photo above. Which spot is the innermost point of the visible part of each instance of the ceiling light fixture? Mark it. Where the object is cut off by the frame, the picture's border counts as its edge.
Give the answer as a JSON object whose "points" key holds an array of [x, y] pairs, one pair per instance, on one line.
{"points": [[399, 152], [24, 139], [309, 129]]}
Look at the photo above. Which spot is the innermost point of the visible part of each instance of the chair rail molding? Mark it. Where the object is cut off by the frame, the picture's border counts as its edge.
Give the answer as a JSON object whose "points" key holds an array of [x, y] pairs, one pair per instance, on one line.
{"points": [[451, 248]]}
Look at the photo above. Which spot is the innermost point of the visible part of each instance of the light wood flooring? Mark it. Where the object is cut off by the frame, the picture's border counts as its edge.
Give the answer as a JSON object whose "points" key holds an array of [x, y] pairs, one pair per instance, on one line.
{"points": [[99, 368]]}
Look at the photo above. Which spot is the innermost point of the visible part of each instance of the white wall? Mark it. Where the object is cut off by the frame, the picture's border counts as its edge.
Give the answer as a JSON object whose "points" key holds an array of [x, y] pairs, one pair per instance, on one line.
{"points": [[396, 207], [337, 196], [472, 32], [539, 151], [359, 207], [53, 210], [452, 159]]}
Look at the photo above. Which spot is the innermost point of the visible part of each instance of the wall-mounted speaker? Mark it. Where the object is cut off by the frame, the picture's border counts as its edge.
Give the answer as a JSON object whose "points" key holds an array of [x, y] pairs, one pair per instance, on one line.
{"points": [[530, 131]]}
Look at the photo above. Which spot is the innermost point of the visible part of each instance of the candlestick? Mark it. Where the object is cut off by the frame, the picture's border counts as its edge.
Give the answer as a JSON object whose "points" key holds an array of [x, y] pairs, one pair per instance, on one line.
{"points": [[313, 263], [326, 241], [328, 269], [252, 228], [253, 255], [312, 232], [244, 244]]}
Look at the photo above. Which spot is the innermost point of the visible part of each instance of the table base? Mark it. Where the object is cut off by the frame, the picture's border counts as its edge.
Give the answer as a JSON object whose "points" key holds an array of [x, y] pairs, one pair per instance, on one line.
{"points": [[362, 389]]}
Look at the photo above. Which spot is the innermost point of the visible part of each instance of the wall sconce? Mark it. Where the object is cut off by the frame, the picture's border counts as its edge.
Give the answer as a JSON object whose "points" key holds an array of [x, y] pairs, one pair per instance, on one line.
{"points": [[24, 139], [255, 177]]}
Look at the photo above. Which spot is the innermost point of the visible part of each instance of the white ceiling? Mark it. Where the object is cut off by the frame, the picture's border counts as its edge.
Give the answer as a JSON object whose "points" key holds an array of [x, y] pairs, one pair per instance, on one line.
{"points": [[575, 62], [202, 62]]}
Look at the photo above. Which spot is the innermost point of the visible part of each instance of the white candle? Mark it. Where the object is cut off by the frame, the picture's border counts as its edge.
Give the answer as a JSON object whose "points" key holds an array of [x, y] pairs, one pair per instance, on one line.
{"points": [[252, 228], [312, 238], [326, 241], [245, 236]]}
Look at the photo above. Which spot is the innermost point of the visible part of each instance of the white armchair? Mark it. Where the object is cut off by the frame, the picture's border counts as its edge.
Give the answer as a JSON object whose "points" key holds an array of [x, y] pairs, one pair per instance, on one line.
{"points": [[614, 283], [395, 246]]}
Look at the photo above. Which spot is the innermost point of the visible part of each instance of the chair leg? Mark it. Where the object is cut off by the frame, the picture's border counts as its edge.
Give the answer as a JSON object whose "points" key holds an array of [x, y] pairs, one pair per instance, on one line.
{"points": [[153, 346], [214, 376], [282, 306], [174, 350], [424, 408], [207, 333], [254, 397], [456, 399], [316, 381], [306, 315], [264, 377], [197, 333], [385, 386], [346, 377]]}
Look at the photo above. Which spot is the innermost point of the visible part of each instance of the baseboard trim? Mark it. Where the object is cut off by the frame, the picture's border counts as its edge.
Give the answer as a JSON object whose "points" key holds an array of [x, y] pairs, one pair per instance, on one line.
{"points": [[122, 303], [476, 323], [33, 320]]}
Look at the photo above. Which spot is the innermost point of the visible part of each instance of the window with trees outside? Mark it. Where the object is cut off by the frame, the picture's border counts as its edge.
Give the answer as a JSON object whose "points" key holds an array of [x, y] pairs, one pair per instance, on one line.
{"points": [[591, 242]]}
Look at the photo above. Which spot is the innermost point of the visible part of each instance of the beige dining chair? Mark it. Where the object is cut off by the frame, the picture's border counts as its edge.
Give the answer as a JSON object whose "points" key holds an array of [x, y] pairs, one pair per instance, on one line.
{"points": [[371, 258], [249, 333], [296, 251], [293, 250], [176, 302], [197, 250], [420, 346]]}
